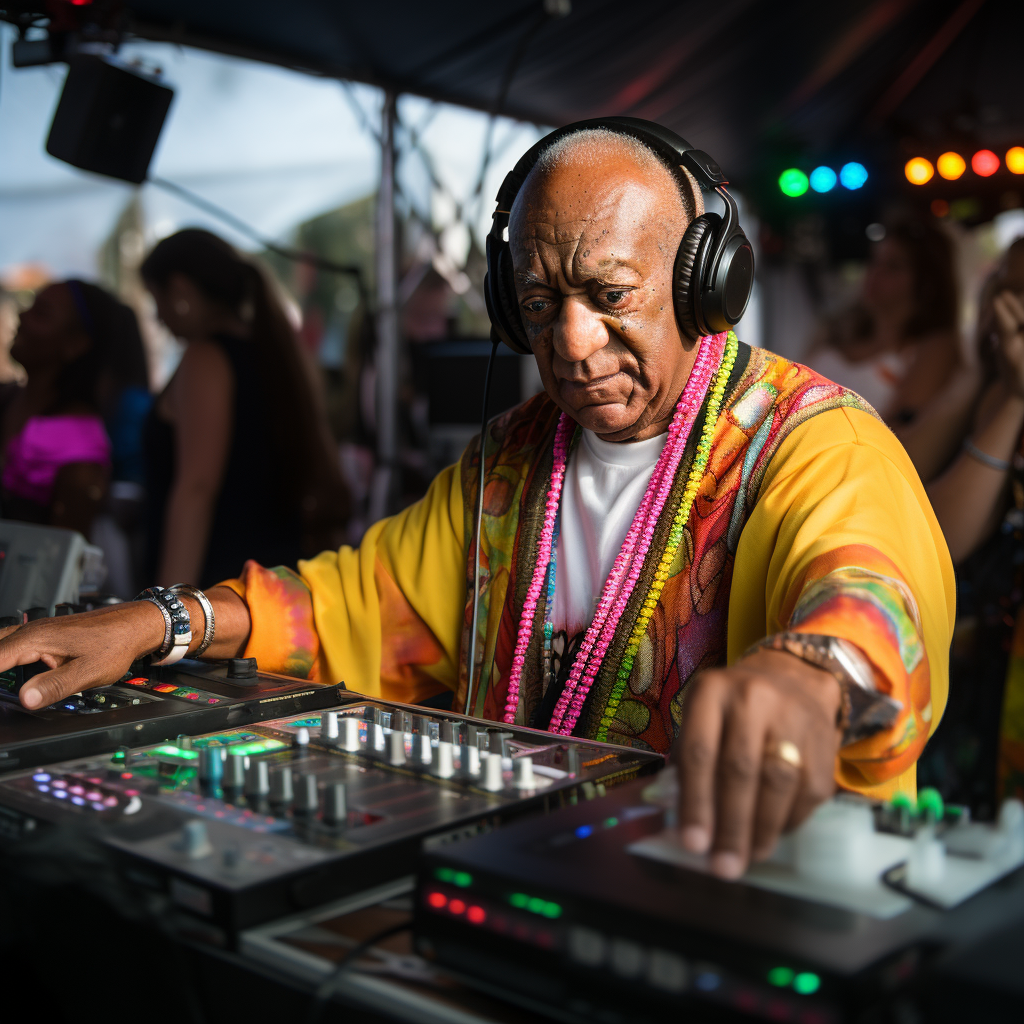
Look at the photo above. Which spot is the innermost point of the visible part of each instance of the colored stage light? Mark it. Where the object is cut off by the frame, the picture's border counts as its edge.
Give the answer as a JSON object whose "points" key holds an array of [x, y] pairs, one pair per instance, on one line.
{"points": [[793, 182], [919, 171], [985, 163], [853, 175], [823, 179], [951, 165], [1015, 160]]}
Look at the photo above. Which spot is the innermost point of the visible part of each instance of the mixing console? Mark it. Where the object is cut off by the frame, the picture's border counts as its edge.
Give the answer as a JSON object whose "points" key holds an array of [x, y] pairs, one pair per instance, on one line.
{"points": [[149, 706], [596, 913], [252, 823]]}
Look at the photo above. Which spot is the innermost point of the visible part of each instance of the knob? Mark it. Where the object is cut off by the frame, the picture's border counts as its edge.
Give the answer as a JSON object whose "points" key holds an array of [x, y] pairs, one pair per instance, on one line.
{"points": [[63, 609], [301, 739], [834, 844], [329, 726], [307, 799], [423, 752], [470, 759], [9, 620], [401, 721], [522, 773], [31, 614], [396, 748], [572, 761], [473, 734], [257, 779], [184, 742], [494, 781], [242, 668], [211, 764], [446, 732], [498, 743], [194, 841], [281, 791], [444, 767], [335, 804], [421, 724], [234, 771], [926, 864], [348, 738]]}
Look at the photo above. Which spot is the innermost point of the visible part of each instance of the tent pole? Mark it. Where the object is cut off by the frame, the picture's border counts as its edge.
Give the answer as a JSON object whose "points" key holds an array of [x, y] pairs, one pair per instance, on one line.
{"points": [[384, 482]]}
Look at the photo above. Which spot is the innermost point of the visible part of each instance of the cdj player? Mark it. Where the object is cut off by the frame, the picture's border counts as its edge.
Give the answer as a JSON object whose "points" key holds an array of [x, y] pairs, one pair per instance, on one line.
{"points": [[251, 823], [149, 706], [596, 912]]}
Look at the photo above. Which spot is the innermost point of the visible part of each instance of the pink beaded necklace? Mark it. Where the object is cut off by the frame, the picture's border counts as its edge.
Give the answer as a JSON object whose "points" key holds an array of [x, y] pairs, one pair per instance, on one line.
{"points": [[628, 564]]}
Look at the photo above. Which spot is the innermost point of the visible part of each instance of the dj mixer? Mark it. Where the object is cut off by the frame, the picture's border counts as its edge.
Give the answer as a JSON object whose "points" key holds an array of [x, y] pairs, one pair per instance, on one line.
{"points": [[251, 823], [148, 706], [597, 913]]}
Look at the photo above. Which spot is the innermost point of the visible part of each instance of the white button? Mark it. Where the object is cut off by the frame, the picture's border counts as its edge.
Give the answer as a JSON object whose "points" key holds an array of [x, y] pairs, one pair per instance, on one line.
{"points": [[586, 946], [627, 958], [668, 971]]}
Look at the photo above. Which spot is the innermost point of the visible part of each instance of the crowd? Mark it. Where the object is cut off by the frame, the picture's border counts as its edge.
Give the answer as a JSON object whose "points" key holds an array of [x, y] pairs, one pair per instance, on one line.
{"points": [[234, 460]]}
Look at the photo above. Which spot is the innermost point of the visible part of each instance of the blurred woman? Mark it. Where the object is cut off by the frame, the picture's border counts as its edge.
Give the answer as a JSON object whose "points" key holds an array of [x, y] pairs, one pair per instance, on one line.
{"points": [[75, 343], [898, 346], [239, 459]]}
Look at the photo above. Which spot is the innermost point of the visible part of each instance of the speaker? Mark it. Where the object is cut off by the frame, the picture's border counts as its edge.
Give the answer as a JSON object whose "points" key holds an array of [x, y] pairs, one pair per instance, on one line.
{"points": [[108, 118]]}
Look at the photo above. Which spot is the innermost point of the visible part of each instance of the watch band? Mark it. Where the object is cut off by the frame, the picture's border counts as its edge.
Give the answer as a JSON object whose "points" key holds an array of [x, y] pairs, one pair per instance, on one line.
{"points": [[864, 711], [209, 627], [176, 647]]}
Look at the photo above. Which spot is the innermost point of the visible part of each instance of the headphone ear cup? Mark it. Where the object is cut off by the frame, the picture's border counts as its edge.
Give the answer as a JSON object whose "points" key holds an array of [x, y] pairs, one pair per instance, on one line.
{"points": [[690, 272], [509, 305]]}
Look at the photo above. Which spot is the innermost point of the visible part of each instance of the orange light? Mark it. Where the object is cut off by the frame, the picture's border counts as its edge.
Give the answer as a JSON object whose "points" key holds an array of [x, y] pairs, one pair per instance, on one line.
{"points": [[1015, 160], [940, 208], [985, 163], [951, 166], [919, 171]]}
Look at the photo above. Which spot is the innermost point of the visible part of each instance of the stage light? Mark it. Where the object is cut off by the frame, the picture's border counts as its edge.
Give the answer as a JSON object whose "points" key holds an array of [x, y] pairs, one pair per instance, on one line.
{"points": [[919, 171], [853, 175], [793, 182], [985, 163], [1015, 160], [823, 179], [951, 166]]}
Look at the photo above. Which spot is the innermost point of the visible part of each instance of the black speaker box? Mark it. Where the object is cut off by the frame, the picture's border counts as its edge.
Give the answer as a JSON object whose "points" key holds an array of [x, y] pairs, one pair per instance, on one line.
{"points": [[108, 119]]}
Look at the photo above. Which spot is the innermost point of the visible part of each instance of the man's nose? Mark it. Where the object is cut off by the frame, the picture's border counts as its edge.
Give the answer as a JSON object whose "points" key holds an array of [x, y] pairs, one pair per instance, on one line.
{"points": [[579, 331]]}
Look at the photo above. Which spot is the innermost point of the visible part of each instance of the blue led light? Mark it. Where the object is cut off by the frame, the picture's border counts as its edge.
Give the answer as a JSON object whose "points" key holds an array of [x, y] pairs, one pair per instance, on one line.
{"points": [[43, 788], [706, 981], [41, 776], [78, 800], [853, 175], [583, 831], [60, 794], [823, 179]]}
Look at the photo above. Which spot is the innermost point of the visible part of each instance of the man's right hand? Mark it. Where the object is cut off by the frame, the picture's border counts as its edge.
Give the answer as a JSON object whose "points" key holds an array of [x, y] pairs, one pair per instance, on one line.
{"points": [[82, 651]]}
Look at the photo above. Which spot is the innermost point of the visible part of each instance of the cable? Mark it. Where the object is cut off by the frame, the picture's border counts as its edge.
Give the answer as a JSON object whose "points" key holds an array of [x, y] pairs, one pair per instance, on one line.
{"points": [[326, 989], [471, 665]]}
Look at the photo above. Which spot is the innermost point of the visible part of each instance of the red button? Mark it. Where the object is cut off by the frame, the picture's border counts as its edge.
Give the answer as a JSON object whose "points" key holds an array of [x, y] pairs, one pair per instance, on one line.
{"points": [[191, 696], [165, 688], [137, 681]]}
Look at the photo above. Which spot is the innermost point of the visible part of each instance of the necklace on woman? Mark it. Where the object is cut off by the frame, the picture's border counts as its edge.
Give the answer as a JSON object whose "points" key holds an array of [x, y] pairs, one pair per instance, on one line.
{"points": [[716, 353]]}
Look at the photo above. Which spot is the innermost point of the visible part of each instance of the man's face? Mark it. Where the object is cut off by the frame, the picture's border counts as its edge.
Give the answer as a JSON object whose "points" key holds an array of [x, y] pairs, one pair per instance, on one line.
{"points": [[593, 247]]}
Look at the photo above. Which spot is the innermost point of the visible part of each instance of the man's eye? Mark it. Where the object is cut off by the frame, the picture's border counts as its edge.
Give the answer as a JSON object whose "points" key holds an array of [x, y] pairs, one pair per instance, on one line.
{"points": [[615, 296], [535, 305]]}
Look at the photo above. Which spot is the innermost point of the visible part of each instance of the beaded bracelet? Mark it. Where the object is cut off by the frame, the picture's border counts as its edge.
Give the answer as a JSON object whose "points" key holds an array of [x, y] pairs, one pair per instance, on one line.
{"points": [[204, 602], [174, 647]]}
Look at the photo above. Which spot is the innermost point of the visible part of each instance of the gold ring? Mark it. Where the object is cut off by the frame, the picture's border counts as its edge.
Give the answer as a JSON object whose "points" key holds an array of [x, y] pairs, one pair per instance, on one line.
{"points": [[787, 751]]}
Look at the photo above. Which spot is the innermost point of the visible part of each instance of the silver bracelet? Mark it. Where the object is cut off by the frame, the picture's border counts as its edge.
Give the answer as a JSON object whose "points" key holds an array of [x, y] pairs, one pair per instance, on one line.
{"points": [[168, 641], [984, 458], [204, 602]]}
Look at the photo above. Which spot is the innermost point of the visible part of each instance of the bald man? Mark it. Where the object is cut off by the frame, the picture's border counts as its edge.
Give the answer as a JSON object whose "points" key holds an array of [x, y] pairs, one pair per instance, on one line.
{"points": [[688, 545]]}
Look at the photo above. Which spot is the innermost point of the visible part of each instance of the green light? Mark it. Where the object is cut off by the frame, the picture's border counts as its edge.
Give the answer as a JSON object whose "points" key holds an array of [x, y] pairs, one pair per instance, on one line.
{"points": [[793, 182], [901, 800], [519, 899], [552, 910], [929, 801], [170, 750], [535, 905], [781, 976], [806, 983], [256, 747], [444, 875], [610, 822], [463, 879]]}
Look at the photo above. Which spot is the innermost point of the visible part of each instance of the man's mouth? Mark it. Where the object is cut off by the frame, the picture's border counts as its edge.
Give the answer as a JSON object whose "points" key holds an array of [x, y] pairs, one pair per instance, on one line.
{"points": [[583, 386]]}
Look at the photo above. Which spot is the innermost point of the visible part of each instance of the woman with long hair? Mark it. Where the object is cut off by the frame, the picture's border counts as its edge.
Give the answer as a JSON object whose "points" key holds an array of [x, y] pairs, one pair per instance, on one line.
{"points": [[239, 459]]}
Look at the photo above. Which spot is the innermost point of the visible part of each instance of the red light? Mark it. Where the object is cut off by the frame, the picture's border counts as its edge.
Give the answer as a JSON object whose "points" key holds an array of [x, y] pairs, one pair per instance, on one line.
{"points": [[437, 900], [456, 906], [476, 915], [985, 163], [127, 775], [137, 681]]}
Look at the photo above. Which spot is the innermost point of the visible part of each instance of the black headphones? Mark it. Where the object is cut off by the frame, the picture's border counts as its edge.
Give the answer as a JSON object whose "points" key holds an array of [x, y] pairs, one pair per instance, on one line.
{"points": [[714, 269]]}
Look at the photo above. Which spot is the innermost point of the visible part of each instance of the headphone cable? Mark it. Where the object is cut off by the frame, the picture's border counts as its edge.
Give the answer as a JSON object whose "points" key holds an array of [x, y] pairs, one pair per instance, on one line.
{"points": [[471, 665]]}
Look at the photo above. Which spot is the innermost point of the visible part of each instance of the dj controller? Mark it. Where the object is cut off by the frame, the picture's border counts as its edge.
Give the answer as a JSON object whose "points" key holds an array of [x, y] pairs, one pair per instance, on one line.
{"points": [[245, 824], [148, 706], [597, 913]]}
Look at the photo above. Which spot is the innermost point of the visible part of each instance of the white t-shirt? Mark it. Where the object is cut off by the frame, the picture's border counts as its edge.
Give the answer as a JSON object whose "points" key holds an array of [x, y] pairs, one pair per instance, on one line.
{"points": [[604, 485]]}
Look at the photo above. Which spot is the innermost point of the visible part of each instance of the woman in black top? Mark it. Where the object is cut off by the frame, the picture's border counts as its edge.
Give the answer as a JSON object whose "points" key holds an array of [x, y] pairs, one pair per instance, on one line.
{"points": [[239, 459]]}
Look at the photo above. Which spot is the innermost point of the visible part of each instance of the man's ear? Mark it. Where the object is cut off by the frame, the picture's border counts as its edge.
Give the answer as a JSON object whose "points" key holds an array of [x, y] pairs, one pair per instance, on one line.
{"points": [[693, 198]]}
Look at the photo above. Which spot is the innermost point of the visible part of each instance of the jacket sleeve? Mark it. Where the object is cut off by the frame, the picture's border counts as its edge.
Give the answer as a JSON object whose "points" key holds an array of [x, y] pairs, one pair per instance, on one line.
{"points": [[842, 542], [384, 617]]}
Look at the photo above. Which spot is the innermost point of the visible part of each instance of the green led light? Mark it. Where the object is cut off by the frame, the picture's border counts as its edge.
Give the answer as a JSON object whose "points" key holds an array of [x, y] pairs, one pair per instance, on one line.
{"points": [[781, 976], [170, 750], [552, 910], [901, 800], [463, 879], [535, 905], [806, 983], [929, 801], [519, 899], [444, 875], [793, 182], [610, 822], [256, 747]]}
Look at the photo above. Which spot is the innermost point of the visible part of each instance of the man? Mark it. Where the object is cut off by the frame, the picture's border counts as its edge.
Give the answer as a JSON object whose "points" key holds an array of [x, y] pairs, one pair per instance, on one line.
{"points": [[665, 505]]}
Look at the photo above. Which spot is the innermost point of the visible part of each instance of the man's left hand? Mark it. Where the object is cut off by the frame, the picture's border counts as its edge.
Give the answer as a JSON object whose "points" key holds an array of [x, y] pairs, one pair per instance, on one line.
{"points": [[755, 755]]}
